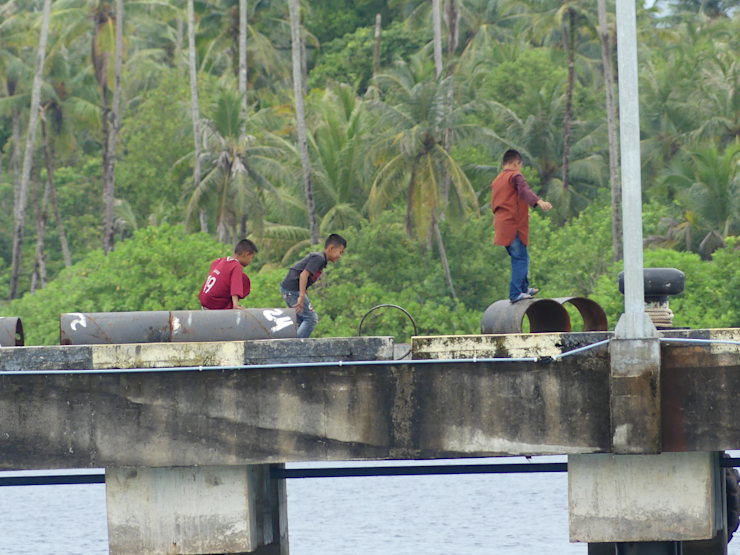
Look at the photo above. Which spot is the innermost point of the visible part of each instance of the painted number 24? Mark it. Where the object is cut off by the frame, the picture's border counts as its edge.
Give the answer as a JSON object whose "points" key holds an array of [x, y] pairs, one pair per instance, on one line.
{"points": [[276, 315]]}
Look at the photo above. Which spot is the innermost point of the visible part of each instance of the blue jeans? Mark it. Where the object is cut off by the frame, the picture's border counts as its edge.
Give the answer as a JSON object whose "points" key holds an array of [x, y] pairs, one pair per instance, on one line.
{"points": [[519, 268], [307, 319]]}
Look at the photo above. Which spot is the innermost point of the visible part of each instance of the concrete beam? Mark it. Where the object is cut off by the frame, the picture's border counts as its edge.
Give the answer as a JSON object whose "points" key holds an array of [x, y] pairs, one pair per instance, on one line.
{"points": [[231, 417]]}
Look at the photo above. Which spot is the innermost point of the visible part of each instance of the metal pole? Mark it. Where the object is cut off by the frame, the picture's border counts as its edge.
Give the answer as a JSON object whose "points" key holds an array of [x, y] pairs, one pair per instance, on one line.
{"points": [[629, 131]]}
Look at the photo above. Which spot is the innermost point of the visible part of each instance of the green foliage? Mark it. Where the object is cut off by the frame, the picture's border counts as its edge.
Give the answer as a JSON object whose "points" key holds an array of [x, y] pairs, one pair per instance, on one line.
{"points": [[710, 299], [160, 268], [154, 137], [350, 59], [330, 19]]}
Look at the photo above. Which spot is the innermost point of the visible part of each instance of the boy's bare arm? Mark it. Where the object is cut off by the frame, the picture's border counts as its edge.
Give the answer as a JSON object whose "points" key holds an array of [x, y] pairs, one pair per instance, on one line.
{"points": [[235, 302], [302, 286]]}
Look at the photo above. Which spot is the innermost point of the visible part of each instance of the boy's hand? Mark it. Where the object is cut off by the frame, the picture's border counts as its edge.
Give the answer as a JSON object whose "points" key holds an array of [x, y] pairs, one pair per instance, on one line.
{"points": [[299, 304], [544, 205]]}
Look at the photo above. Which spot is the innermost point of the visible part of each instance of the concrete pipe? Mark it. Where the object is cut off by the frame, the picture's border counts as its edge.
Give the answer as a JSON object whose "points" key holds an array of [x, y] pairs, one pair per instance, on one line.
{"points": [[594, 317], [177, 326], [545, 315], [11, 332]]}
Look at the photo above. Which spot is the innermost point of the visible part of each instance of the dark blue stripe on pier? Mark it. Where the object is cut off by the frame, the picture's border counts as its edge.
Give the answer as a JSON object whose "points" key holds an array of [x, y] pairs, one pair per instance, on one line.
{"points": [[335, 472]]}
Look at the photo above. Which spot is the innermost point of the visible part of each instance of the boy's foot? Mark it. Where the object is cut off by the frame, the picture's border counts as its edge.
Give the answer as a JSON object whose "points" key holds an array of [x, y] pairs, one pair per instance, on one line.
{"points": [[521, 297], [532, 291]]}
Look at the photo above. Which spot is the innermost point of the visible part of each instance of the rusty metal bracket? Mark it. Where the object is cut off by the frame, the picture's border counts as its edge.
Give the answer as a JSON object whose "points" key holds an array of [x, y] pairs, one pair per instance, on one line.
{"points": [[11, 332]]}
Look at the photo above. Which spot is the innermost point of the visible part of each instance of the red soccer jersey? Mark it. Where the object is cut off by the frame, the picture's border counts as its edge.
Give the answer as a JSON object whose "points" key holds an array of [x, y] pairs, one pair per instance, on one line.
{"points": [[225, 279]]}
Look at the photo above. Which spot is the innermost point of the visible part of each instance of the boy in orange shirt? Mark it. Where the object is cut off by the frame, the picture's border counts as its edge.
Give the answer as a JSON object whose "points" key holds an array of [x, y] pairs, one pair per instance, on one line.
{"points": [[510, 200]]}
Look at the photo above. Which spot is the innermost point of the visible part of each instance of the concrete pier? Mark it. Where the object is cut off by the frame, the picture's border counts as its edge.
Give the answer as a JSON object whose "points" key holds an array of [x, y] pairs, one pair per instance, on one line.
{"points": [[196, 510], [188, 432]]}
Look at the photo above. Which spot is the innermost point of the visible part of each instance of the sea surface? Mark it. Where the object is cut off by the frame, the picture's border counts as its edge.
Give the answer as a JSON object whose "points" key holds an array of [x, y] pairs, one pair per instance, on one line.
{"points": [[473, 514]]}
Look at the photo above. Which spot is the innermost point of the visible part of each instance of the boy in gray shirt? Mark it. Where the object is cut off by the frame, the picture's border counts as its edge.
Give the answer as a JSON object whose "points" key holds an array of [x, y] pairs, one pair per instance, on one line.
{"points": [[302, 275]]}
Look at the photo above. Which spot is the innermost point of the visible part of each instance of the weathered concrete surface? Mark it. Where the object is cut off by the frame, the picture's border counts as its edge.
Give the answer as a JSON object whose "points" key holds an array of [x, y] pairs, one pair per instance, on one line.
{"points": [[46, 358], [635, 396], [183, 418], [503, 345], [215, 353], [700, 397], [641, 498], [194, 510], [330, 412]]}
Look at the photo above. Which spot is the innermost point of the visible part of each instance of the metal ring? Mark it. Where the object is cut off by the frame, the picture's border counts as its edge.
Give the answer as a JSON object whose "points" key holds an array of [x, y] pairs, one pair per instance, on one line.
{"points": [[406, 312]]}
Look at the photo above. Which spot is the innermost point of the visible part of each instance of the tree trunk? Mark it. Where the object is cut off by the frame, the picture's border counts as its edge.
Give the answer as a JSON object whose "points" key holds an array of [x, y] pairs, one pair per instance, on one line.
{"points": [[376, 51], [304, 65], [115, 127], [41, 215], [569, 96], [178, 43], [453, 26], [295, 32], [48, 159], [20, 208], [242, 227], [443, 255], [16, 157], [100, 66], [437, 24], [194, 107], [243, 52], [611, 124]]}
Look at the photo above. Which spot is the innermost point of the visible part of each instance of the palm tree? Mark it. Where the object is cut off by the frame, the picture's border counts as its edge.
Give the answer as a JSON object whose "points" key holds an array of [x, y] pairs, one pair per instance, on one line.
{"points": [[611, 122], [338, 144], [718, 97], [295, 31], [561, 21], [437, 27], [411, 151], [707, 184], [243, 51], [195, 109], [110, 171], [239, 169], [539, 137], [20, 209]]}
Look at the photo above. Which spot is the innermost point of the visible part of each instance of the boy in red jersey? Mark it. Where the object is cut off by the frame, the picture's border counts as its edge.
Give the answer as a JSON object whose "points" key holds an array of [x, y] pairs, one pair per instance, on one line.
{"points": [[226, 282]]}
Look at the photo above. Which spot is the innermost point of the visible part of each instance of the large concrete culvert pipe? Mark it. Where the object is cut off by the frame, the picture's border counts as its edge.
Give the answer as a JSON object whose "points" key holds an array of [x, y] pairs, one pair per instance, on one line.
{"points": [[545, 315], [177, 326], [594, 317], [11, 332]]}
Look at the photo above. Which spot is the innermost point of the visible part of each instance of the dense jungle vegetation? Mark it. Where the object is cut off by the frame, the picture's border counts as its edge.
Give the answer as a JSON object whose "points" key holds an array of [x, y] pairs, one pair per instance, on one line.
{"points": [[117, 201]]}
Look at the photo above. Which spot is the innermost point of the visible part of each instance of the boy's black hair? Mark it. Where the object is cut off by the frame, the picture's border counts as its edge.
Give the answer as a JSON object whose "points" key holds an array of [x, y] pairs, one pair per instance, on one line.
{"points": [[245, 245], [336, 240], [512, 156]]}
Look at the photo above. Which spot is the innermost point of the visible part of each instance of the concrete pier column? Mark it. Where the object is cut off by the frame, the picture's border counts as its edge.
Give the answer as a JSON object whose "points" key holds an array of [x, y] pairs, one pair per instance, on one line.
{"points": [[671, 497], [196, 511]]}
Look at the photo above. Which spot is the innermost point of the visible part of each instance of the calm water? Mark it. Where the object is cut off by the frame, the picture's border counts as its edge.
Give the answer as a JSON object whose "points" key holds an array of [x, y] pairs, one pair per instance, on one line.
{"points": [[509, 514]]}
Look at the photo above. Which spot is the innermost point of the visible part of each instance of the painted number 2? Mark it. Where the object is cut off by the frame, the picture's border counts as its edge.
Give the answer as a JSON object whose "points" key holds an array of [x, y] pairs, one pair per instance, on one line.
{"points": [[276, 316]]}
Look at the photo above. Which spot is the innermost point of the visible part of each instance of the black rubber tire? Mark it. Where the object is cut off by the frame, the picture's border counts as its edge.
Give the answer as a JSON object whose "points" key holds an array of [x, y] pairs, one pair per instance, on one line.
{"points": [[732, 477]]}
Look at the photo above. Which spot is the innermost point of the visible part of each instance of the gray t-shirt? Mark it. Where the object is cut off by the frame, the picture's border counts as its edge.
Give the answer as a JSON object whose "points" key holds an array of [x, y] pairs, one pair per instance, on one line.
{"points": [[314, 263]]}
